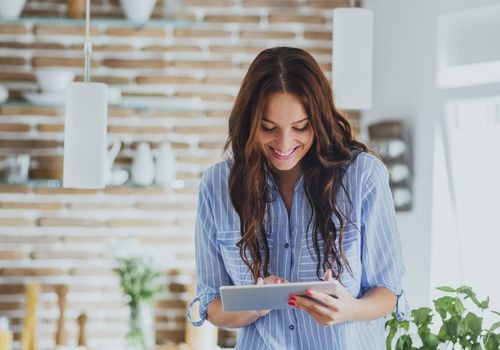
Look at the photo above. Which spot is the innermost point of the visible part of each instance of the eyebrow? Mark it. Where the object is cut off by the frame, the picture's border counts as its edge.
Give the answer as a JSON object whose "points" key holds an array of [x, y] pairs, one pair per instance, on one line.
{"points": [[300, 121]]}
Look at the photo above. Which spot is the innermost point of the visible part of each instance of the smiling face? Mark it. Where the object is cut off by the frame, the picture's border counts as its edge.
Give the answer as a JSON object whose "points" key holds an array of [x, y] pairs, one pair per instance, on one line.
{"points": [[285, 133]]}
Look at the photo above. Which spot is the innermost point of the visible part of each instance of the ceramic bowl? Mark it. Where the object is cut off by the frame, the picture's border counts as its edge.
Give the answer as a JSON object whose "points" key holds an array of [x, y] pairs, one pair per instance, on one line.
{"points": [[54, 79]]}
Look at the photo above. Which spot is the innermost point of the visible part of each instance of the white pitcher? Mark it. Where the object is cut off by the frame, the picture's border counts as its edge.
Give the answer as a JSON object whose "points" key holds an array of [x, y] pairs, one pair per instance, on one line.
{"points": [[143, 167], [166, 166]]}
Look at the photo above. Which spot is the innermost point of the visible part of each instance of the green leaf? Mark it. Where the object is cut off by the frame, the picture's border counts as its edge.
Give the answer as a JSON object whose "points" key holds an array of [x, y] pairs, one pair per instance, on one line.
{"points": [[431, 340], [447, 289], [404, 343], [422, 316], [494, 326], [491, 342], [458, 307], [484, 304], [496, 313], [473, 324]]}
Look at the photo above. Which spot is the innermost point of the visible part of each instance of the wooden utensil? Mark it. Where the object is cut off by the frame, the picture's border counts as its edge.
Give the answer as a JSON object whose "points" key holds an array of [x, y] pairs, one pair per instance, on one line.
{"points": [[28, 335], [82, 334], [61, 335]]}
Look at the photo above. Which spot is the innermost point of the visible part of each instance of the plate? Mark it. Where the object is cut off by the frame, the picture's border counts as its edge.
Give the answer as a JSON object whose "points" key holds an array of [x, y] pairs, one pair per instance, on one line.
{"points": [[45, 98]]}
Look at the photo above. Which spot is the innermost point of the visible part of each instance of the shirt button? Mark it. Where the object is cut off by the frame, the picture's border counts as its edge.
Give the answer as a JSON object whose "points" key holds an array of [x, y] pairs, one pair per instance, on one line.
{"points": [[287, 245], [291, 327]]}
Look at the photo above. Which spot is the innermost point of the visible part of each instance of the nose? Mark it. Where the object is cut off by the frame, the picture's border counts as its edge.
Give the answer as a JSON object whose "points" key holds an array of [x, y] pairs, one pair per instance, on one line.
{"points": [[285, 141]]}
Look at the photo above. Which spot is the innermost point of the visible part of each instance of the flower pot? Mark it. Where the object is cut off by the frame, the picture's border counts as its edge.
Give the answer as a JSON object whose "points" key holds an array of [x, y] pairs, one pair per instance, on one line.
{"points": [[138, 10]]}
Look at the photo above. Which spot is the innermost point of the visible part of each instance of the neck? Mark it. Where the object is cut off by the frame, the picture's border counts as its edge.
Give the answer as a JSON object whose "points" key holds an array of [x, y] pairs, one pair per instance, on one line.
{"points": [[286, 179]]}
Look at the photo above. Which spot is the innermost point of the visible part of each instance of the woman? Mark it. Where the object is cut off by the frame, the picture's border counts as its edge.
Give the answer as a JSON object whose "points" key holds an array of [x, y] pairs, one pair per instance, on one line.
{"points": [[299, 200]]}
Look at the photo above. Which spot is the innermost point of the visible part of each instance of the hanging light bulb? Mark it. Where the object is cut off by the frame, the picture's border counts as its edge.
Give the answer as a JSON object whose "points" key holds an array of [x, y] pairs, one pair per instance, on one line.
{"points": [[352, 61], [85, 127]]}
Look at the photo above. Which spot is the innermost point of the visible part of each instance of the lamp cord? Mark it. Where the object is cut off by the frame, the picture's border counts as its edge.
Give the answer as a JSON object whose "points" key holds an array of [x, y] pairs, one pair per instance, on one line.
{"points": [[87, 46]]}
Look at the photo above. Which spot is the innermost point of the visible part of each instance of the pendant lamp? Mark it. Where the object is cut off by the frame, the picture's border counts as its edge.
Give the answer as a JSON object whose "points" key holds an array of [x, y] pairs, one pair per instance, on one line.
{"points": [[352, 61], [85, 127]]}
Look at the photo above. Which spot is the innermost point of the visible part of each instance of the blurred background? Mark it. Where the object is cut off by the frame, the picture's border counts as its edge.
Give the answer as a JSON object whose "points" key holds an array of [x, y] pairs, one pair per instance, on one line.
{"points": [[173, 69]]}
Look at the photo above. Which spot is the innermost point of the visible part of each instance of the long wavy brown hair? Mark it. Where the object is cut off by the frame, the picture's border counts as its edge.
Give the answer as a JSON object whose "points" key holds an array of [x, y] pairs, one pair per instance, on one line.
{"points": [[294, 71]]}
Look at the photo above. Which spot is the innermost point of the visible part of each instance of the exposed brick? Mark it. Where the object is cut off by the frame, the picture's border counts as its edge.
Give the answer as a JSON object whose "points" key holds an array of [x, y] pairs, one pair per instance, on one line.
{"points": [[68, 222], [20, 76], [166, 80], [211, 145], [175, 336], [106, 79], [201, 33], [173, 114], [40, 61], [84, 239], [319, 50], [232, 19], [10, 255], [316, 35], [64, 255], [31, 272], [31, 111], [49, 160], [222, 81], [62, 190], [47, 173], [16, 29], [139, 223], [29, 239], [31, 205], [97, 206], [136, 31], [272, 3], [206, 129], [171, 48], [136, 190], [12, 61], [118, 129], [7, 188], [130, 63], [236, 49], [292, 18], [50, 127], [11, 289], [258, 34], [121, 112], [166, 206], [178, 288], [105, 48], [42, 29], [206, 96], [213, 64], [15, 127], [91, 271], [211, 3], [17, 222], [218, 114], [329, 4]]}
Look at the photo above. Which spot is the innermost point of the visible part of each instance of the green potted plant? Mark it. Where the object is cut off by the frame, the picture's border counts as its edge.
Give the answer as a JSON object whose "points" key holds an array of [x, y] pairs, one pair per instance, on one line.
{"points": [[140, 283], [459, 328]]}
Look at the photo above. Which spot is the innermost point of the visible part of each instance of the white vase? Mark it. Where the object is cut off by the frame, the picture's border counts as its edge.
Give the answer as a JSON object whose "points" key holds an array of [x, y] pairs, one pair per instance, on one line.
{"points": [[4, 94], [166, 166], [11, 8], [143, 170], [138, 10]]}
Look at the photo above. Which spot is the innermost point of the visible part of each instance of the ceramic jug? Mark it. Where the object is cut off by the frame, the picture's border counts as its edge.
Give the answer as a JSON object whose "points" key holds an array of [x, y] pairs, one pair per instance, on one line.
{"points": [[143, 171], [165, 166]]}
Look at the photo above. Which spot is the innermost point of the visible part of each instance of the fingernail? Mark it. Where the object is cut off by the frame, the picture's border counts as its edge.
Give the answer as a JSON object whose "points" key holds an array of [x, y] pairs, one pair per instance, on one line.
{"points": [[276, 280], [291, 303], [293, 298], [308, 292]]}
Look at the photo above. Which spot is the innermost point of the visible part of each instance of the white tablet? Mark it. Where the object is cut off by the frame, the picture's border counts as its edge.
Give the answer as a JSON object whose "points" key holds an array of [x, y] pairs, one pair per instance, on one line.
{"points": [[269, 296]]}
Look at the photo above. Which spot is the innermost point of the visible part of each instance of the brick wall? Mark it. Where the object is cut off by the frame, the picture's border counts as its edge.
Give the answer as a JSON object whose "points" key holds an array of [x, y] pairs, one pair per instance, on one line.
{"points": [[178, 80]]}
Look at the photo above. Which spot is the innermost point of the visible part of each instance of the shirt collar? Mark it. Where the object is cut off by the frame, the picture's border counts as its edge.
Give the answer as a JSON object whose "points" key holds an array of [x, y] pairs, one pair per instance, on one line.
{"points": [[299, 185]]}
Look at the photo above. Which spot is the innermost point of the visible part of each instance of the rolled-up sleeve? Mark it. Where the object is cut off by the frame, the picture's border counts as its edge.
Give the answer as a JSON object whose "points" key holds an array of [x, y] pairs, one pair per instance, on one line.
{"points": [[210, 270], [381, 257]]}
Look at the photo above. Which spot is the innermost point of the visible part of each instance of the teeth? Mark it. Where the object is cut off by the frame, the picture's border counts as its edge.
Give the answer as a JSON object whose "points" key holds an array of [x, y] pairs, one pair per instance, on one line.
{"points": [[284, 154]]}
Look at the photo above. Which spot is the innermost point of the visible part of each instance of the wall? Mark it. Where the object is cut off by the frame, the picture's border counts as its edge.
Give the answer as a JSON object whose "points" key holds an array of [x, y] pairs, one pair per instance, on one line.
{"points": [[405, 55], [55, 235]]}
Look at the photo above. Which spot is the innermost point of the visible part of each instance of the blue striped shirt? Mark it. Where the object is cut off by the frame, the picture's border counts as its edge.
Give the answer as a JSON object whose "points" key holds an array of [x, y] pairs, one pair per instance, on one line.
{"points": [[371, 244]]}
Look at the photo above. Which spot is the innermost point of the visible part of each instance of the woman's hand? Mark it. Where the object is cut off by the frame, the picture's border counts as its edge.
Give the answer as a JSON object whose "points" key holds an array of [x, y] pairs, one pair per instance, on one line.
{"points": [[326, 309], [268, 280]]}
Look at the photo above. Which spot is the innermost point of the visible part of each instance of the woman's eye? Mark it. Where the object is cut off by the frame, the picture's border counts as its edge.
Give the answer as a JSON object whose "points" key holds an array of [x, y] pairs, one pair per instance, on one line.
{"points": [[267, 129], [304, 128]]}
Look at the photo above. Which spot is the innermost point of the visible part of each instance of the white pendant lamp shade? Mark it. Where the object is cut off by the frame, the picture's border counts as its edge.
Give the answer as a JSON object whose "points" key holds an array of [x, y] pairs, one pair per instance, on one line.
{"points": [[85, 135], [352, 61]]}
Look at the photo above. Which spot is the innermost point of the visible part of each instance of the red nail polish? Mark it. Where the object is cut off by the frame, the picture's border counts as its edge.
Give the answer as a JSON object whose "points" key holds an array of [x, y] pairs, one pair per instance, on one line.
{"points": [[308, 292], [290, 303], [293, 298], [276, 280]]}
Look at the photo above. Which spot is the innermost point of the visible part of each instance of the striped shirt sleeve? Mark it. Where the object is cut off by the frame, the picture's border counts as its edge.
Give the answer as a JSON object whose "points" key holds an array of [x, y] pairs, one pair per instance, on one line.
{"points": [[210, 270], [381, 257]]}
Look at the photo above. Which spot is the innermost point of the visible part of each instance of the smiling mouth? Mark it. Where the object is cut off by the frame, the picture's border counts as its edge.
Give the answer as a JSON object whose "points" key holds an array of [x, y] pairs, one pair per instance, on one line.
{"points": [[283, 155]]}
